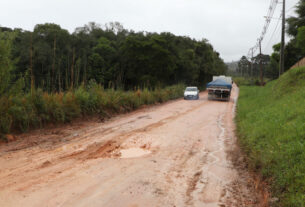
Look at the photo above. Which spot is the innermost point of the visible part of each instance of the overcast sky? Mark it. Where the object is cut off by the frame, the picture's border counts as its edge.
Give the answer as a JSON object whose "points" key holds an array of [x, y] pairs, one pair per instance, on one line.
{"points": [[231, 26]]}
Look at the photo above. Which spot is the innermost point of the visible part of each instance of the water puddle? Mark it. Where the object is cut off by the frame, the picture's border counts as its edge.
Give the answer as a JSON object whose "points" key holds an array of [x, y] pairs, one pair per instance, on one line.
{"points": [[133, 152]]}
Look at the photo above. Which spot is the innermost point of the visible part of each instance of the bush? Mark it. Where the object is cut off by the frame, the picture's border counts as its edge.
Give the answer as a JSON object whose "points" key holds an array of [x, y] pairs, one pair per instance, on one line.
{"points": [[71, 107], [5, 118], [54, 107], [22, 112]]}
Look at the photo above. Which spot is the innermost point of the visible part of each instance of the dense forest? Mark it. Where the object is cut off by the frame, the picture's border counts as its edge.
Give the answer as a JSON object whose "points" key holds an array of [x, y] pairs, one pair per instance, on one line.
{"points": [[294, 49], [51, 58]]}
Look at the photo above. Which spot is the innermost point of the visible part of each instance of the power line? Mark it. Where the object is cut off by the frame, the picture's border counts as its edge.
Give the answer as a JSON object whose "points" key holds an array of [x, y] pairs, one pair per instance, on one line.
{"points": [[271, 10], [289, 10], [282, 58], [276, 27], [275, 30]]}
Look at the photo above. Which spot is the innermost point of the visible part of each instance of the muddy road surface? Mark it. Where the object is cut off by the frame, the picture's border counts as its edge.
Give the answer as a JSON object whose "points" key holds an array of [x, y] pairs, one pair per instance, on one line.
{"points": [[174, 154]]}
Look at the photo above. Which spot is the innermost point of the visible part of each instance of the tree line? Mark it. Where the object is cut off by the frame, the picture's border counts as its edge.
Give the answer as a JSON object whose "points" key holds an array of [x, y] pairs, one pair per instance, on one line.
{"points": [[54, 60], [294, 49]]}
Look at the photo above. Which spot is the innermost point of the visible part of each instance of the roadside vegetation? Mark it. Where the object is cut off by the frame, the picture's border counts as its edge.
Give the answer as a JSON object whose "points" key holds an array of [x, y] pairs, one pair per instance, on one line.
{"points": [[49, 75], [271, 128], [247, 81], [24, 111]]}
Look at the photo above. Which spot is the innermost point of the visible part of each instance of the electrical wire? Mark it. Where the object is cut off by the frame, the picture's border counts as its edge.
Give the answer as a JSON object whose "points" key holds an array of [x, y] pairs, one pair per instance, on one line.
{"points": [[275, 30], [289, 10], [276, 27], [271, 10]]}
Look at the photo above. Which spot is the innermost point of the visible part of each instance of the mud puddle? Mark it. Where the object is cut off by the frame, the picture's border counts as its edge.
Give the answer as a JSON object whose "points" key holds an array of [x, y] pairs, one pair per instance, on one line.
{"points": [[133, 153]]}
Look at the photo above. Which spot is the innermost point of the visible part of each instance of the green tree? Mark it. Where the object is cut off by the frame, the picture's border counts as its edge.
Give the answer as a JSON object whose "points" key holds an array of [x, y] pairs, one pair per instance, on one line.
{"points": [[6, 63], [294, 50], [272, 70], [294, 23], [300, 39], [243, 66], [114, 57]]}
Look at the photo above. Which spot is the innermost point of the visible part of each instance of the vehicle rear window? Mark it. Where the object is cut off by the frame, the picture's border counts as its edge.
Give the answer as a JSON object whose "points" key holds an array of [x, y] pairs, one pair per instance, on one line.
{"points": [[191, 89]]}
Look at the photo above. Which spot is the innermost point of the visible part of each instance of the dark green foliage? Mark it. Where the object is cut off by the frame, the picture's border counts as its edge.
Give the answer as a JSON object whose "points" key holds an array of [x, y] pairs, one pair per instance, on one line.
{"points": [[6, 63], [300, 39], [6, 119], [271, 128], [52, 76], [113, 57], [296, 22]]}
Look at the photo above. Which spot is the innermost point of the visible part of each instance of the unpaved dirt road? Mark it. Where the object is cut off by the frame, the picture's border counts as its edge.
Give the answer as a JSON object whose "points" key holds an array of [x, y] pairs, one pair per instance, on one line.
{"points": [[174, 154]]}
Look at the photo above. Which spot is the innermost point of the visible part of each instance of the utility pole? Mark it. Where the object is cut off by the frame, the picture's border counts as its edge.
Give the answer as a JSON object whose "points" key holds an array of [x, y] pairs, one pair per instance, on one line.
{"points": [[31, 63], [260, 62], [252, 62], [72, 69], [53, 65], [282, 58]]}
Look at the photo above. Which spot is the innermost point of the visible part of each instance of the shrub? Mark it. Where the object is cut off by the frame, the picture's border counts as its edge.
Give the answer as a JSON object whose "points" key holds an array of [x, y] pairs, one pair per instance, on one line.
{"points": [[5, 118], [22, 112], [71, 108]]}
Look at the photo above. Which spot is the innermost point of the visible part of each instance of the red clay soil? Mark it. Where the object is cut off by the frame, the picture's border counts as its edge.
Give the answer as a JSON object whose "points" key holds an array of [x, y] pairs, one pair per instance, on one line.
{"points": [[176, 154]]}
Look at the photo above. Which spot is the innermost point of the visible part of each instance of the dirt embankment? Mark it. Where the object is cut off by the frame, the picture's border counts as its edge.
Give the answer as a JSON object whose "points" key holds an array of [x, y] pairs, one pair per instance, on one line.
{"points": [[175, 154]]}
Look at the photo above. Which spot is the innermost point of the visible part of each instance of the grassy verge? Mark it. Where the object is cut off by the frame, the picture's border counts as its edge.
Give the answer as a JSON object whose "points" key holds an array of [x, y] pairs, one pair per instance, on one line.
{"points": [[271, 128], [242, 81], [26, 111]]}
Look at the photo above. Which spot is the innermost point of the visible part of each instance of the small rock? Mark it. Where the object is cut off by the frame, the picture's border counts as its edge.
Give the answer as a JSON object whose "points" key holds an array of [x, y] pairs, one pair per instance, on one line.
{"points": [[274, 200], [46, 164]]}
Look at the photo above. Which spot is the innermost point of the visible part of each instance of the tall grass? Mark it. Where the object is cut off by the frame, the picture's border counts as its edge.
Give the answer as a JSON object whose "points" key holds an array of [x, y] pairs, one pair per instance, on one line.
{"points": [[271, 128], [22, 112]]}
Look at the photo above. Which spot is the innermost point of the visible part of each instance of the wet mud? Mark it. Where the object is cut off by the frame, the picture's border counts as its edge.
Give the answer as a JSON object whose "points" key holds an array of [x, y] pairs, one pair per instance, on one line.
{"points": [[182, 153]]}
